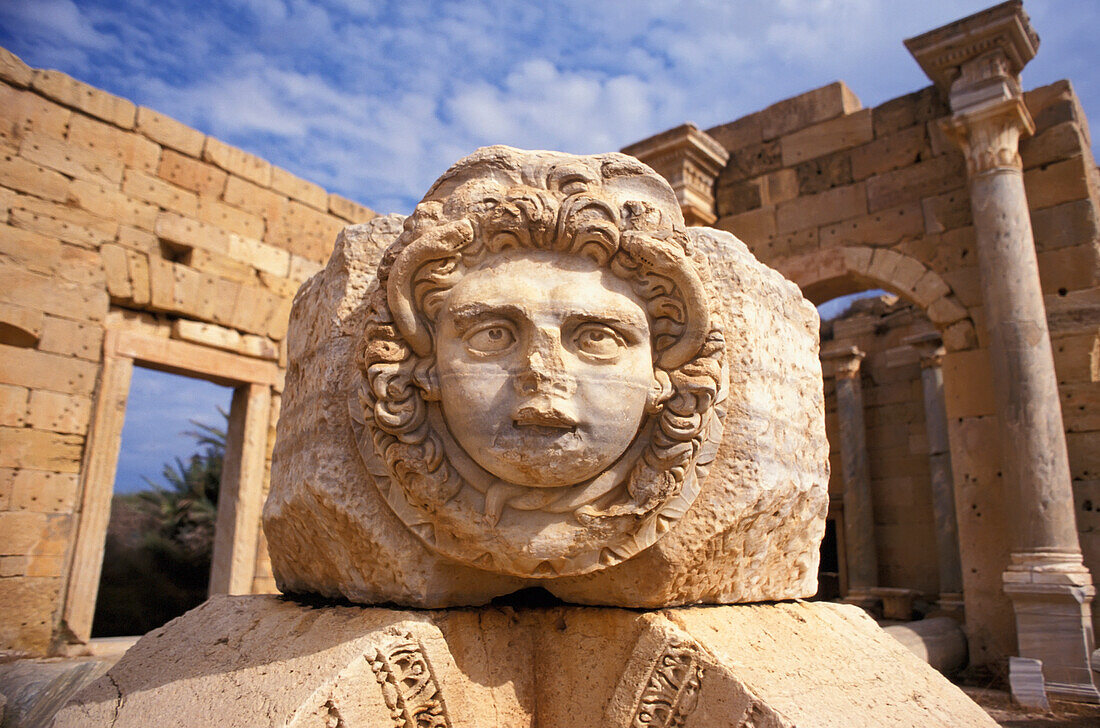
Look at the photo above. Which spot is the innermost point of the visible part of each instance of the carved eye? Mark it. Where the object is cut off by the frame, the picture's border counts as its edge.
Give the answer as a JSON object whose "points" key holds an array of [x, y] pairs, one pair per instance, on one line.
{"points": [[490, 339], [598, 341]]}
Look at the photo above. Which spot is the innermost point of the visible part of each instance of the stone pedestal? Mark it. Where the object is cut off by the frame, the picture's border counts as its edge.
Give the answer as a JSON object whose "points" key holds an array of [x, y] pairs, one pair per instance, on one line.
{"points": [[977, 61], [859, 518], [265, 661]]}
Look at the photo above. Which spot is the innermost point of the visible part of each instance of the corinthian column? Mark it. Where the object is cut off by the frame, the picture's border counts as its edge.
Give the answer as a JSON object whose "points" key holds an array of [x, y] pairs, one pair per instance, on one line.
{"points": [[859, 519], [978, 60]]}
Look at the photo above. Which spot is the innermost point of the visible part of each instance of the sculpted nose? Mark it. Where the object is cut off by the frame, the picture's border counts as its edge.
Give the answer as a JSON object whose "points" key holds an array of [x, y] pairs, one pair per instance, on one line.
{"points": [[544, 370]]}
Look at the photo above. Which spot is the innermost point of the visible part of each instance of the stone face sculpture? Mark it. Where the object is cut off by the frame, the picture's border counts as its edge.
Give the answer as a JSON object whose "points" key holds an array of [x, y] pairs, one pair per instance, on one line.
{"points": [[541, 377], [534, 378]]}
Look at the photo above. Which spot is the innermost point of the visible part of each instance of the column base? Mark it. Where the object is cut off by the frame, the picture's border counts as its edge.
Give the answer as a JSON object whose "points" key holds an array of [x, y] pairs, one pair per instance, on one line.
{"points": [[1052, 595]]}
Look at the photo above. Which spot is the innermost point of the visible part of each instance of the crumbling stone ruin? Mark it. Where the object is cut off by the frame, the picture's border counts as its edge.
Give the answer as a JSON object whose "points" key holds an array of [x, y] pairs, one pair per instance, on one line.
{"points": [[129, 238]]}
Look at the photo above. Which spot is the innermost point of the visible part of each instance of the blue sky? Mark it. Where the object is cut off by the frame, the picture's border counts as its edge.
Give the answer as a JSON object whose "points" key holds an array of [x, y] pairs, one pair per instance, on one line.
{"points": [[159, 415], [374, 99]]}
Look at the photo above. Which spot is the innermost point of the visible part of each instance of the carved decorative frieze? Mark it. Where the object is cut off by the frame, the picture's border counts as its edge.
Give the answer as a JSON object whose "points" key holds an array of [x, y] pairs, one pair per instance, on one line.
{"points": [[408, 685], [672, 691]]}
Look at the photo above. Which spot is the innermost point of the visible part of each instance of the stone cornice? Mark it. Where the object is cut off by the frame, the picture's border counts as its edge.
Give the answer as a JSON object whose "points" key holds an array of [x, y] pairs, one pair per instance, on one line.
{"points": [[942, 53]]}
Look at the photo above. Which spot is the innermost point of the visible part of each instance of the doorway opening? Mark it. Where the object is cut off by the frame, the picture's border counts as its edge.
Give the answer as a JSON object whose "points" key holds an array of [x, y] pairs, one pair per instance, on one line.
{"points": [[163, 513]]}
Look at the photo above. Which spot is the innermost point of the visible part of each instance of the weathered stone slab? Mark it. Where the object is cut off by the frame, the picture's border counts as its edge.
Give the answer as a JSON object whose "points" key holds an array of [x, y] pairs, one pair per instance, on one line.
{"points": [[631, 429], [265, 661]]}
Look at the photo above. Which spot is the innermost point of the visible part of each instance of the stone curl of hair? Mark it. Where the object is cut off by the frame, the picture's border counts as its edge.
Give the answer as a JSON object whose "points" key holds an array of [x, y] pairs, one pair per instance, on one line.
{"points": [[563, 212]]}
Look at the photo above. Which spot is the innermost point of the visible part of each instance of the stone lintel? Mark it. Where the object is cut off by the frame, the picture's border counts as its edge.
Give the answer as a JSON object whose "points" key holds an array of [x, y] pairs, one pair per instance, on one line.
{"points": [[843, 361], [943, 52], [690, 160]]}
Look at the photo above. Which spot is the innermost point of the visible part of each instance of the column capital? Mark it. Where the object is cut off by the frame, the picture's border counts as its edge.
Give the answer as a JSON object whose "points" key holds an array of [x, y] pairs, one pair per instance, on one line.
{"points": [[989, 136], [929, 348], [845, 361], [690, 160]]}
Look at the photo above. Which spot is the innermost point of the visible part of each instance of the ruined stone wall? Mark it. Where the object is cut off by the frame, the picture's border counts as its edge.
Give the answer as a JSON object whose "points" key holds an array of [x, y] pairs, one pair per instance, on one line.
{"points": [[841, 198], [118, 218]]}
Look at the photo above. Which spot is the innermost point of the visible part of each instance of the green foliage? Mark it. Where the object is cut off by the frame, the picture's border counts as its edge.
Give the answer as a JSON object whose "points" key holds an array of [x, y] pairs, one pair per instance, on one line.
{"points": [[160, 540]]}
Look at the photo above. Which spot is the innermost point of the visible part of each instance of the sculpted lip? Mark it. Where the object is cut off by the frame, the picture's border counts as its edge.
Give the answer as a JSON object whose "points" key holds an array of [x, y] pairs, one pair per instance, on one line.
{"points": [[536, 416]]}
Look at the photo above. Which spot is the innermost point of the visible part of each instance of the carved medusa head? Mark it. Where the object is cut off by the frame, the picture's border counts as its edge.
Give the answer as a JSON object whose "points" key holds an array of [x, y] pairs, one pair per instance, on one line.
{"points": [[541, 373]]}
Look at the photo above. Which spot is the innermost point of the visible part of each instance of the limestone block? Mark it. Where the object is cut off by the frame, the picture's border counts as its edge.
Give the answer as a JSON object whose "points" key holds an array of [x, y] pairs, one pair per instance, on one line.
{"points": [[739, 133], [947, 211], [29, 603], [57, 412], [73, 161], [116, 267], [19, 174], [812, 107], [230, 218], [1065, 225], [191, 233], [347, 210], [158, 192], [823, 208], [42, 293], [299, 189], [67, 90], [893, 151], [1057, 183], [25, 112], [42, 491], [261, 256], [755, 226], [191, 174], [13, 405], [26, 448], [137, 265], [168, 132], [823, 173], [112, 204], [751, 161], [967, 384], [247, 196], [737, 520], [304, 231], [884, 227], [264, 661], [133, 150], [13, 70], [40, 370], [219, 265], [931, 177], [843, 132], [237, 161], [1059, 142]]}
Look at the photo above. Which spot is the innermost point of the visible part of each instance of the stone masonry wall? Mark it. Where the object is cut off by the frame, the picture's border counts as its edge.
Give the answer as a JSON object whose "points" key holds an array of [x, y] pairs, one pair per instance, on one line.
{"points": [[116, 216], [841, 198]]}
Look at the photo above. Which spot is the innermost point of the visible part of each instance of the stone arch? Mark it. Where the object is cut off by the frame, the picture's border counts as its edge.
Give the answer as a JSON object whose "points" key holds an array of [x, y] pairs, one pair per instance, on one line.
{"points": [[832, 272]]}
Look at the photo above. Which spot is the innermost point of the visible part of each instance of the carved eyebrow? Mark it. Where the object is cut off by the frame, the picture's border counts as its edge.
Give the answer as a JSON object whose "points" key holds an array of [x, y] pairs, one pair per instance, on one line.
{"points": [[634, 327], [468, 314]]}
